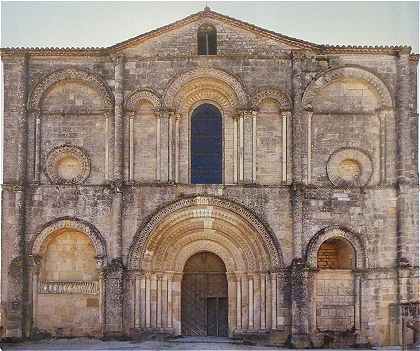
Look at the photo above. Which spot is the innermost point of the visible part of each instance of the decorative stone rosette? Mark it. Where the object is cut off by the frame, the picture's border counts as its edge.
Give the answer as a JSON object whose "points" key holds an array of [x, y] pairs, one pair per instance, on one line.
{"points": [[349, 167], [67, 164]]}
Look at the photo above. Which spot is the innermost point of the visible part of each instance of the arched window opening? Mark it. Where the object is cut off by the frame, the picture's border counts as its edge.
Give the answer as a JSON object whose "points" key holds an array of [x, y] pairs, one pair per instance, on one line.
{"points": [[336, 254], [206, 145], [207, 40]]}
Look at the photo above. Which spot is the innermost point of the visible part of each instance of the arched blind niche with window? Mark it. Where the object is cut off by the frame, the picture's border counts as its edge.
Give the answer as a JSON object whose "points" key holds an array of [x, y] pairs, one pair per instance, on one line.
{"points": [[207, 40], [206, 145]]}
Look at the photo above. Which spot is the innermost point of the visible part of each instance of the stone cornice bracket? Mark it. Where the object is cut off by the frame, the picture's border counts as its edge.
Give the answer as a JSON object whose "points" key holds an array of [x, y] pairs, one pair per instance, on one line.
{"points": [[406, 50], [298, 54]]}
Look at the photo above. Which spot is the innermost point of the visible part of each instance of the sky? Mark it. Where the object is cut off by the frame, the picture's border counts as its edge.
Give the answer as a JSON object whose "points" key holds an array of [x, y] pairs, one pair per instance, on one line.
{"points": [[81, 24]]}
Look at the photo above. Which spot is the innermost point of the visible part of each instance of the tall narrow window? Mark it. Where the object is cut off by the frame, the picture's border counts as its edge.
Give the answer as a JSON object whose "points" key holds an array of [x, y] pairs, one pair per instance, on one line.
{"points": [[207, 40], [206, 145]]}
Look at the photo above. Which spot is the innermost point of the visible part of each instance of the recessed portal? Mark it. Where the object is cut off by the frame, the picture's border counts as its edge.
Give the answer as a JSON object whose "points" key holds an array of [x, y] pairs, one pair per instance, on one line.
{"points": [[204, 298]]}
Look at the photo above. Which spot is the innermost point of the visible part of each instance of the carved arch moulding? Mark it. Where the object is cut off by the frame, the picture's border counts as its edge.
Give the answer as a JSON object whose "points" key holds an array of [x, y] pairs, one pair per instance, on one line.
{"points": [[147, 231], [205, 89], [143, 94], [336, 233], [272, 93], [74, 224], [70, 74], [211, 73], [353, 72]]}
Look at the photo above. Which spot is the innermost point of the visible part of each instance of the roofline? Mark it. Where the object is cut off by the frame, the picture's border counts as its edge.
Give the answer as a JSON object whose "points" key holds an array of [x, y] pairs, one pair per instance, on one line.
{"points": [[298, 43]]}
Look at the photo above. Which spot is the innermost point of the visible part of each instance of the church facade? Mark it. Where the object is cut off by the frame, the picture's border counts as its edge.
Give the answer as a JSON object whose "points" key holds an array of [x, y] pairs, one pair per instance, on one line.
{"points": [[210, 178]]}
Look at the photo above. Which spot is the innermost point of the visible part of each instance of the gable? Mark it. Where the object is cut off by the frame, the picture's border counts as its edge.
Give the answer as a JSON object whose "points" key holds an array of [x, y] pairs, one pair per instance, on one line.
{"points": [[233, 38]]}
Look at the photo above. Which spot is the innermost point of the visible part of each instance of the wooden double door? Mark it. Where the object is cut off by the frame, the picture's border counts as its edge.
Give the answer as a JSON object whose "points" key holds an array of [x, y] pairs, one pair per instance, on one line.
{"points": [[204, 298]]}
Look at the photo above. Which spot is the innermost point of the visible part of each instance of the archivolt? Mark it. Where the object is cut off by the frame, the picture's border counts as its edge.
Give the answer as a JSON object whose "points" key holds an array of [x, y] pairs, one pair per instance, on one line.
{"points": [[336, 232], [206, 224], [281, 98], [70, 74], [138, 95], [211, 73], [353, 72], [201, 89], [70, 223]]}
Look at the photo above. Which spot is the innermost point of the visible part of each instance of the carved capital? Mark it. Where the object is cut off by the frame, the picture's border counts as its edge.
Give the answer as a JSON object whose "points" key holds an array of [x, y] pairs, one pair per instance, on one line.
{"points": [[34, 261], [308, 108], [247, 113], [116, 186], [15, 188], [177, 277], [100, 263], [163, 113], [231, 277], [117, 59]]}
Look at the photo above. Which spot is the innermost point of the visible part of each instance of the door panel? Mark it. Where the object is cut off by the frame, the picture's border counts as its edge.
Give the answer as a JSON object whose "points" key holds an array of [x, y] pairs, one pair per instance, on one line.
{"points": [[204, 303], [193, 305], [212, 316], [222, 312]]}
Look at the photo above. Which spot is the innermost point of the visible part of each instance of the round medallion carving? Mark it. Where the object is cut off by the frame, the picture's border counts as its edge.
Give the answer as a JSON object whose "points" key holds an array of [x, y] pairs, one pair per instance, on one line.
{"points": [[349, 167], [67, 164]]}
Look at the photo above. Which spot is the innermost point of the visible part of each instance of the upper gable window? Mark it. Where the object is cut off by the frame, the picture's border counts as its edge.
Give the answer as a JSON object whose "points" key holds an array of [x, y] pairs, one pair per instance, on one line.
{"points": [[207, 40]]}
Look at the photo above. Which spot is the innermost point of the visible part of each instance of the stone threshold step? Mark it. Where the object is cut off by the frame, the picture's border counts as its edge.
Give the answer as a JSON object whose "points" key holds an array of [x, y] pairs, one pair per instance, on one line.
{"points": [[205, 339]]}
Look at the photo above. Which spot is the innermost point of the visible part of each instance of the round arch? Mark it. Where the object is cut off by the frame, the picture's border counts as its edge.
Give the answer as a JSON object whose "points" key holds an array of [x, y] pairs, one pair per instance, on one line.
{"points": [[142, 94], [71, 223], [222, 82], [218, 222], [70, 74], [336, 233], [272, 93], [353, 72]]}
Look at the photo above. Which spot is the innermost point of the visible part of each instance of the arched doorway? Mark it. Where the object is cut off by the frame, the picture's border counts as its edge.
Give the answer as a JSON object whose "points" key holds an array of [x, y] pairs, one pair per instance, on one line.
{"points": [[206, 145], [159, 255], [204, 296]]}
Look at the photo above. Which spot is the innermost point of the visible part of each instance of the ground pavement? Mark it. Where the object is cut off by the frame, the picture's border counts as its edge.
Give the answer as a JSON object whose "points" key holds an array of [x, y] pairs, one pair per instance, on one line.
{"points": [[189, 343]]}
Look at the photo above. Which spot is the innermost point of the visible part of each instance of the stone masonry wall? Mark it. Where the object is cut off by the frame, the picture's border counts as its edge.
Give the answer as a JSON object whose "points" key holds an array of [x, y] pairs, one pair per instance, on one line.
{"points": [[345, 114]]}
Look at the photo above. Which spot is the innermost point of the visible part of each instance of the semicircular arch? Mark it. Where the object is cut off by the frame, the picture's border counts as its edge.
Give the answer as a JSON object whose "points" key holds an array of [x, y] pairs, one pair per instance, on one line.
{"points": [[205, 73], [69, 74], [349, 72], [336, 233], [282, 99], [206, 215], [142, 94], [79, 225]]}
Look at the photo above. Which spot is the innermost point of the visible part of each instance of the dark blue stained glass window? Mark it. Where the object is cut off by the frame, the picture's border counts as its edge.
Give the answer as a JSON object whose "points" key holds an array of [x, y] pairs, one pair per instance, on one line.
{"points": [[206, 145]]}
